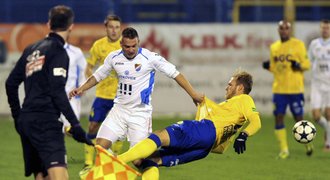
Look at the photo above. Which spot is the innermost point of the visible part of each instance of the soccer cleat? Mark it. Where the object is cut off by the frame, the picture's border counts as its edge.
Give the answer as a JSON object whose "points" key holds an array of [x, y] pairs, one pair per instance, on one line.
{"points": [[309, 149], [283, 155], [85, 170]]}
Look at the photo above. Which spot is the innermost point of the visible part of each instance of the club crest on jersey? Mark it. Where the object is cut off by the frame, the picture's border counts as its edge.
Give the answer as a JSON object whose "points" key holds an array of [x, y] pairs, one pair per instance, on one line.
{"points": [[35, 63], [137, 67]]}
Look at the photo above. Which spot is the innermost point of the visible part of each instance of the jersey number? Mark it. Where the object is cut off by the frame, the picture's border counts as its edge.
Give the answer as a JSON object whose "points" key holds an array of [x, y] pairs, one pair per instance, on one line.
{"points": [[125, 89]]}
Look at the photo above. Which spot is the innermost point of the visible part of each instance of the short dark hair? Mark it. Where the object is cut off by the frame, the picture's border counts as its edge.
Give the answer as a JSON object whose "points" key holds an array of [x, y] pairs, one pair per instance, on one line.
{"points": [[60, 18], [325, 21], [130, 33], [245, 79], [111, 17]]}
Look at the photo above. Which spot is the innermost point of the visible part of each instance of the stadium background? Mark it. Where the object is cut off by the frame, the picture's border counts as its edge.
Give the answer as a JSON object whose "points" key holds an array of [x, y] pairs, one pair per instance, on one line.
{"points": [[207, 40]]}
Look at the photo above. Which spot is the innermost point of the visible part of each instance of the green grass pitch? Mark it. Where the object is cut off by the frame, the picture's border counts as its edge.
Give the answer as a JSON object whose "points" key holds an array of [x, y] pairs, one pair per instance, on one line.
{"points": [[258, 162]]}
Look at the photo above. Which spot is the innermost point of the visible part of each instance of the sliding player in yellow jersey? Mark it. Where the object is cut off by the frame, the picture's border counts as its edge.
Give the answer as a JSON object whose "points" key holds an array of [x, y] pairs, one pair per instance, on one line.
{"points": [[105, 90], [213, 131], [288, 61]]}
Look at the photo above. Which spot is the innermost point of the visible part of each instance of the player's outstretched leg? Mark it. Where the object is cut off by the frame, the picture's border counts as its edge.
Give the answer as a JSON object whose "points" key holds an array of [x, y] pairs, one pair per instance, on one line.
{"points": [[309, 149], [282, 139]]}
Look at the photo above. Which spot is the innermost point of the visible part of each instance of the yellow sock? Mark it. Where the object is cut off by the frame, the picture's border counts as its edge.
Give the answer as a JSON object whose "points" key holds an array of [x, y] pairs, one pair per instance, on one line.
{"points": [[117, 146], [89, 153], [151, 173], [141, 150], [282, 139]]}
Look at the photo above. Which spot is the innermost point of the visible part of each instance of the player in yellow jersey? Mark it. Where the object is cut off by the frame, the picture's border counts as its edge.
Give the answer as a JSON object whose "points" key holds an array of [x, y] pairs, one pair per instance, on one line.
{"points": [[213, 131], [288, 61], [105, 90]]}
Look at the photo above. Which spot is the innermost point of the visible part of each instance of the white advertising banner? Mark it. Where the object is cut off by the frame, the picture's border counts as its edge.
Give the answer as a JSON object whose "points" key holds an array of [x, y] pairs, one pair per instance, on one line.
{"points": [[207, 54]]}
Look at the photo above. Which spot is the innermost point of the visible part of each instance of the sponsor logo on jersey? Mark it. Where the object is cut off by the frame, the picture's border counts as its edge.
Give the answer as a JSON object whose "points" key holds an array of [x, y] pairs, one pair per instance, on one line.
{"points": [[35, 63], [126, 76], [119, 63], [137, 67]]}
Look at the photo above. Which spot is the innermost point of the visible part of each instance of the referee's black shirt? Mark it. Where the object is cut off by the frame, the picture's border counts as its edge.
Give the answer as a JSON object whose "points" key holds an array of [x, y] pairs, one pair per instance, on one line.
{"points": [[43, 67]]}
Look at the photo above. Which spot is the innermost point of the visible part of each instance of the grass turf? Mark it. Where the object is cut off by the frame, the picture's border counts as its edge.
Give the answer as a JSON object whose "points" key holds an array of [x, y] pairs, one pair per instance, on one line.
{"points": [[258, 162]]}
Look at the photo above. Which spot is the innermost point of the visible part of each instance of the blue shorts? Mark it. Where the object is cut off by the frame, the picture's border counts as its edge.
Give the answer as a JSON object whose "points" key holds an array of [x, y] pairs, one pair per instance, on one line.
{"points": [[295, 102], [100, 109], [190, 140], [43, 142]]}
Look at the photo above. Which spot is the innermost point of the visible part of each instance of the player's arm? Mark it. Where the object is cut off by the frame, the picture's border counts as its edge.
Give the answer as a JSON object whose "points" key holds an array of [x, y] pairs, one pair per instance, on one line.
{"points": [[101, 73], [82, 64], [162, 65], [254, 124], [184, 83], [89, 70], [247, 107], [310, 51], [91, 61], [15, 78], [57, 74], [305, 63]]}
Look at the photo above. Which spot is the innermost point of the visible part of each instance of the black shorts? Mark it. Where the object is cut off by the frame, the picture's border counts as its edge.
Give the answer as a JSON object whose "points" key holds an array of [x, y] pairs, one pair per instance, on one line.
{"points": [[43, 142]]}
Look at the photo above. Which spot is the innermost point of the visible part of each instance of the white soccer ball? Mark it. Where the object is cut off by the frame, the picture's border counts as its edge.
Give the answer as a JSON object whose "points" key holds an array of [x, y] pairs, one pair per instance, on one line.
{"points": [[304, 131]]}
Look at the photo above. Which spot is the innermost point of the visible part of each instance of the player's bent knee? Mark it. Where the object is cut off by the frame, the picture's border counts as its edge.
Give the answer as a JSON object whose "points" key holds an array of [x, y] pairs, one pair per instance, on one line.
{"points": [[106, 144]]}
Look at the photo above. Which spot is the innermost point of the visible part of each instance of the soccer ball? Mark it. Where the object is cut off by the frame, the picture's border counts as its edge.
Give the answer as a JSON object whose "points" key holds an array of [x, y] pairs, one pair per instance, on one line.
{"points": [[304, 131]]}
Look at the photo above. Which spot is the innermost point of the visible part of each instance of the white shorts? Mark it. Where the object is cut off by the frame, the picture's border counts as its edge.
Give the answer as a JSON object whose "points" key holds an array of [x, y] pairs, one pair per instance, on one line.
{"points": [[319, 98], [121, 123], [76, 106]]}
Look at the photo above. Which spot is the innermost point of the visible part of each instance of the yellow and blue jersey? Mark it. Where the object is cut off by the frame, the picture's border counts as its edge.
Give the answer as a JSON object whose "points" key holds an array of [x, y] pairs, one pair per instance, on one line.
{"points": [[286, 80], [101, 48], [229, 117]]}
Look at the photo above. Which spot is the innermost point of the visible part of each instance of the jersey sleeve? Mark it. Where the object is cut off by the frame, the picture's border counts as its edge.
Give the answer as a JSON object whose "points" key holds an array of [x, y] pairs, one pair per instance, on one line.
{"points": [[104, 70], [81, 66], [57, 76], [271, 60], [15, 78], [162, 65], [251, 114], [93, 55], [303, 57], [310, 51]]}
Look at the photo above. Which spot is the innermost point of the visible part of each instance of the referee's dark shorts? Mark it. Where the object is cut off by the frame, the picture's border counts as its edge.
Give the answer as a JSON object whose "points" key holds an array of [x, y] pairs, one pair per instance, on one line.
{"points": [[42, 140]]}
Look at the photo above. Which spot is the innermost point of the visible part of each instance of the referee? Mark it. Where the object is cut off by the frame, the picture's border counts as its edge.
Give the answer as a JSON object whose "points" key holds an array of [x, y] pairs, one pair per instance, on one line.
{"points": [[43, 67]]}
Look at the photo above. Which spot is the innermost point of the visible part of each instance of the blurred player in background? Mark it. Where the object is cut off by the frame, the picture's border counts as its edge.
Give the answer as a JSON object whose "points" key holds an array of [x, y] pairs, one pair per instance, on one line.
{"points": [[319, 54], [288, 61], [105, 90], [131, 115], [213, 131], [43, 68], [75, 78]]}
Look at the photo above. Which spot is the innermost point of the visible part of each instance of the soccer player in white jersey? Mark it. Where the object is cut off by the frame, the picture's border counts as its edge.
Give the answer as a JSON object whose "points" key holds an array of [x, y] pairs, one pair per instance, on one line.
{"points": [[75, 78], [135, 66], [319, 54]]}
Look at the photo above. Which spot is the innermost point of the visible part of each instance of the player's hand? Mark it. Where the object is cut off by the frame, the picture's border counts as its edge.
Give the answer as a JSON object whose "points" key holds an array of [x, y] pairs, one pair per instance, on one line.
{"points": [[295, 65], [239, 144], [75, 92], [79, 134], [266, 64], [198, 98]]}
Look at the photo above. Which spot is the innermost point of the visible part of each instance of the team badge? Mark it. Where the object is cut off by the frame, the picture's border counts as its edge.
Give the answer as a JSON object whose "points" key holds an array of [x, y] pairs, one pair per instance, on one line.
{"points": [[137, 67]]}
